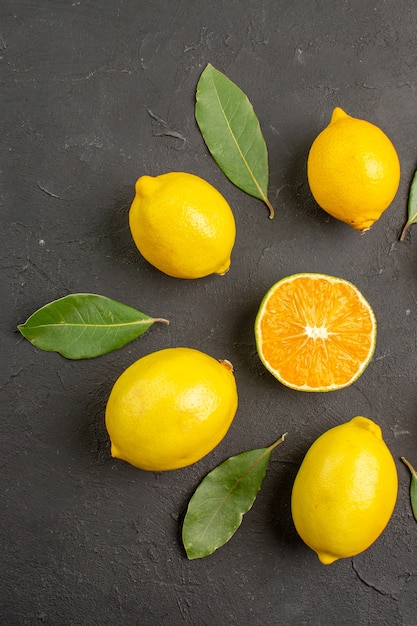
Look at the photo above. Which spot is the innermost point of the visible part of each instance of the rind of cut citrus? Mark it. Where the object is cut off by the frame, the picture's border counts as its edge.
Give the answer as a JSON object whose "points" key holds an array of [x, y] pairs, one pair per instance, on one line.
{"points": [[315, 332]]}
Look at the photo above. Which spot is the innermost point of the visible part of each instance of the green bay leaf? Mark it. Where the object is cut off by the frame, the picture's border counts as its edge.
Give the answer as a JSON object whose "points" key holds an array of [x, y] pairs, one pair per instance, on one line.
{"points": [[413, 487], [85, 325], [412, 207], [216, 509], [232, 133]]}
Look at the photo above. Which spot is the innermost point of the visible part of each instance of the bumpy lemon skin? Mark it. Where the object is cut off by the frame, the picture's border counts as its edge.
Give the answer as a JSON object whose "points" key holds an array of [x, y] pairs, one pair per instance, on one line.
{"points": [[182, 225], [353, 170], [170, 408], [345, 490]]}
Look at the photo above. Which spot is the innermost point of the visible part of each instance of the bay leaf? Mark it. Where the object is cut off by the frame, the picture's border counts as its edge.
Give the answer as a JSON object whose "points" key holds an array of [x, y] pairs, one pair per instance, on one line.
{"points": [[85, 325], [413, 487], [216, 509], [232, 133], [412, 207]]}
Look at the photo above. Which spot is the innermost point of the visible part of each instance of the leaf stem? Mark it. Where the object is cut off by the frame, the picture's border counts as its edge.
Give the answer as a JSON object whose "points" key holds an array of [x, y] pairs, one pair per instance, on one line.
{"points": [[410, 467], [270, 207], [277, 442], [405, 230]]}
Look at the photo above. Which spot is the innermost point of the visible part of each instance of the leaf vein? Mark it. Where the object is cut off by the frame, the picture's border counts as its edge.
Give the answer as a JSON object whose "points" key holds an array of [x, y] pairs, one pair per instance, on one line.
{"points": [[261, 191], [230, 491], [85, 325]]}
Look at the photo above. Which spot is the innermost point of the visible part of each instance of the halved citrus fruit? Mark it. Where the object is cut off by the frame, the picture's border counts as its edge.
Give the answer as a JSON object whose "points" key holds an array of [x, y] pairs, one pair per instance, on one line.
{"points": [[315, 332]]}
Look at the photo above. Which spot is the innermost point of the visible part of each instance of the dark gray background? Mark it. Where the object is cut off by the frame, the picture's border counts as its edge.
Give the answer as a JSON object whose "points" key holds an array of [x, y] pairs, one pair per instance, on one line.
{"points": [[91, 93]]}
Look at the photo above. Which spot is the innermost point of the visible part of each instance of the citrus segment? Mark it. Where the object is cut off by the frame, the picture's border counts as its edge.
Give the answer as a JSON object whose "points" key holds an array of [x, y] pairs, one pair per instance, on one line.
{"points": [[315, 332]]}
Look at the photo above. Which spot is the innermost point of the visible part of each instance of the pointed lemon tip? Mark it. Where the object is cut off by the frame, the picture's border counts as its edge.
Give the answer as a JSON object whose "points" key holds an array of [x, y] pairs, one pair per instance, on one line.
{"points": [[338, 114], [227, 364], [115, 452], [146, 185], [327, 559], [223, 269], [366, 424]]}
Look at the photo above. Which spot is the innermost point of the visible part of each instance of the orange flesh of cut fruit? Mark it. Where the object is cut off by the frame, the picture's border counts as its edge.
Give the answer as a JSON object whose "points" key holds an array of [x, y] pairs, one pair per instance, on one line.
{"points": [[315, 332]]}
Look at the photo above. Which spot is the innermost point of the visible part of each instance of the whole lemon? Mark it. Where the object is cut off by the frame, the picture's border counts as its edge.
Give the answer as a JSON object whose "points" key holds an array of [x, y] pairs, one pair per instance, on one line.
{"points": [[182, 225], [353, 170], [170, 408], [345, 490]]}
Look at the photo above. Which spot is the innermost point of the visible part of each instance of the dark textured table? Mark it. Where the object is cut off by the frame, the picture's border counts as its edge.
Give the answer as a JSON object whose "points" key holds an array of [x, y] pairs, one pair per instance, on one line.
{"points": [[93, 95]]}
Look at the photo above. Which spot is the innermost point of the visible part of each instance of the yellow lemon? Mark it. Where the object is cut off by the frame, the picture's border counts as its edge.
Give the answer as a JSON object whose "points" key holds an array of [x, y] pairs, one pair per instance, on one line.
{"points": [[345, 490], [353, 170], [170, 408], [182, 225]]}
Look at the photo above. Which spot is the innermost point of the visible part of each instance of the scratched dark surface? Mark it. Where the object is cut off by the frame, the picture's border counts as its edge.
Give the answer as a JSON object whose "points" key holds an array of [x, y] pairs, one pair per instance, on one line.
{"points": [[94, 94]]}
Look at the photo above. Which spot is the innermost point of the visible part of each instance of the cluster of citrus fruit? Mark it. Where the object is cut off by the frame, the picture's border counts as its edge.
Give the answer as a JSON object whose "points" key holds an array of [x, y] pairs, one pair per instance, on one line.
{"points": [[313, 333]]}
